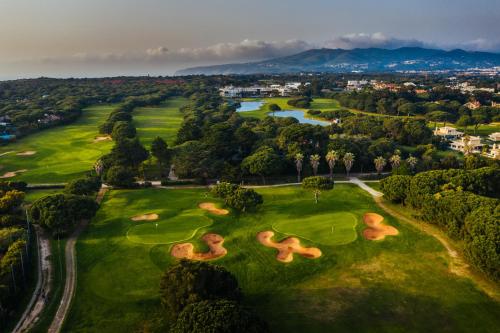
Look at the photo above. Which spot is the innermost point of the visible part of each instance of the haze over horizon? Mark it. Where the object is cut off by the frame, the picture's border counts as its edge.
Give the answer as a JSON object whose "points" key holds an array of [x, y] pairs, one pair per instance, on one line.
{"points": [[129, 37]]}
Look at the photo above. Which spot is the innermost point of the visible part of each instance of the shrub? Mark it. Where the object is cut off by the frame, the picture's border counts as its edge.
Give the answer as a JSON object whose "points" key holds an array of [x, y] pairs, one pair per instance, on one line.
{"points": [[221, 316], [189, 282], [83, 186], [223, 190], [59, 213], [120, 176], [244, 199], [395, 188], [317, 183], [482, 237]]}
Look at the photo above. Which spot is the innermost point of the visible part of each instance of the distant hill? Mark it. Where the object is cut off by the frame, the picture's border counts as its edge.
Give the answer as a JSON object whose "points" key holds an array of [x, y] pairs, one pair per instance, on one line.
{"points": [[365, 60]]}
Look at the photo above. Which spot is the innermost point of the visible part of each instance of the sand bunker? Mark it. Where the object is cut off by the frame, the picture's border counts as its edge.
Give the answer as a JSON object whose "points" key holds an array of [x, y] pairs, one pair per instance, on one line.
{"points": [[102, 138], [145, 217], [210, 206], [186, 250], [12, 173], [287, 247], [27, 153], [376, 229]]}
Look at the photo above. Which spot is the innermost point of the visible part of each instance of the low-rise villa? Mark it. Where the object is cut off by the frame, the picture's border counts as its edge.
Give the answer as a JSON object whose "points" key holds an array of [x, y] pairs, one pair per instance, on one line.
{"points": [[449, 133], [495, 137], [494, 152], [467, 144]]}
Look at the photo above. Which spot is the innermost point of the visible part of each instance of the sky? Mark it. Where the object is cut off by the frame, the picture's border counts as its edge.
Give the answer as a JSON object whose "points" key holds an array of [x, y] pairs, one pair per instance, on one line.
{"points": [[95, 38]]}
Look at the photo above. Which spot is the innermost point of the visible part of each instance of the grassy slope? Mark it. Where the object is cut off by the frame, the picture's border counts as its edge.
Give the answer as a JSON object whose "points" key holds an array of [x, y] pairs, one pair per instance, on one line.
{"points": [[63, 152], [163, 121], [401, 284]]}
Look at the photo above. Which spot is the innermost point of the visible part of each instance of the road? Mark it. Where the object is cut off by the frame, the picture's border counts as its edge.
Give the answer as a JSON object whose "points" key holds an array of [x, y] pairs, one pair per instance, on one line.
{"points": [[70, 283], [43, 286]]}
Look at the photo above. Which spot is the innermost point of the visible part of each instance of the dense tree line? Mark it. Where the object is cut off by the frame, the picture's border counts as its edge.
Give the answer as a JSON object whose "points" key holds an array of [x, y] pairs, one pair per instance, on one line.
{"points": [[14, 249], [30, 105], [463, 203]]}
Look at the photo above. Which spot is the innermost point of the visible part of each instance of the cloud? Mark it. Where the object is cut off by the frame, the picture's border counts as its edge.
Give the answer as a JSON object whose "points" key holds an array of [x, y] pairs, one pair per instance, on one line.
{"points": [[480, 44], [365, 40], [245, 50]]}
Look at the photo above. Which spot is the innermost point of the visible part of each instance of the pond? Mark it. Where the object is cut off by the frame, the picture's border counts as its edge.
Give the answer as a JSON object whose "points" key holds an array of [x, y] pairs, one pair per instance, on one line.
{"points": [[250, 106], [299, 115]]}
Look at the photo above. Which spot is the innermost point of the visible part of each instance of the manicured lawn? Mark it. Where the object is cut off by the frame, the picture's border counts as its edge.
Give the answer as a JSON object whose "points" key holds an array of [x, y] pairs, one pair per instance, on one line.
{"points": [[33, 195], [400, 284], [62, 153], [326, 229], [162, 121]]}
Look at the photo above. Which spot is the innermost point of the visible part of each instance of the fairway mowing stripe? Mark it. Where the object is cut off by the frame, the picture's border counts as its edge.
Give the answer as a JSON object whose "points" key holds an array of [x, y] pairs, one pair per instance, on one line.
{"points": [[173, 242]]}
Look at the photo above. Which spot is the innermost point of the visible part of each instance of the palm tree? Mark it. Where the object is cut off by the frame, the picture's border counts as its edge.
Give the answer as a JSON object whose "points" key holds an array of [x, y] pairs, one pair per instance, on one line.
{"points": [[348, 162], [412, 162], [316, 193], [315, 163], [298, 164], [395, 161], [331, 157], [468, 149], [99, 167], [380, 163]]}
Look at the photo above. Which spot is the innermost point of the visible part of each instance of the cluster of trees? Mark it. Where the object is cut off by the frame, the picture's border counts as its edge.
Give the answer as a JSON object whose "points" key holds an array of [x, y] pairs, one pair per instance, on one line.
{"points": [[14, 249], [300, 102], [30, 105], [464, 203], [237, 197], [198, 297], [122, 164]]}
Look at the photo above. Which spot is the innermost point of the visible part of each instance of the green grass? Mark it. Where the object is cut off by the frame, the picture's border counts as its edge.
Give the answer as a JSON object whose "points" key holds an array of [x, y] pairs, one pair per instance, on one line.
{"points": [[62, 153], [162, 121], [400, 284], [33, 195], [326, 229], [167, 231]]}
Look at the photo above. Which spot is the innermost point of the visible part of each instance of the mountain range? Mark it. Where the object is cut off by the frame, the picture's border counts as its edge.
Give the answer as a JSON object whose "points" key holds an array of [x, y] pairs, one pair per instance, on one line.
{"points": [[358, 60]]}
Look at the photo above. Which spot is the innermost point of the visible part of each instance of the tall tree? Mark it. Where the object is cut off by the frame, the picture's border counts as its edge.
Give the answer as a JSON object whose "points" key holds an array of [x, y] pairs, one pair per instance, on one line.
{"points": [[412, 162], [299, 158], [348, 162], [159, 149], [380, 163], [315, 163], [395, 161], [331, 158]]}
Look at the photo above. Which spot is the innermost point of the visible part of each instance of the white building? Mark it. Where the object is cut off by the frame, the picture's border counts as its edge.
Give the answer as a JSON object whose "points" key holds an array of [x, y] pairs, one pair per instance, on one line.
{"points": [[494, 152], [260, 91], [449, 133], [467, 144], [356, 85], [495, 137]]}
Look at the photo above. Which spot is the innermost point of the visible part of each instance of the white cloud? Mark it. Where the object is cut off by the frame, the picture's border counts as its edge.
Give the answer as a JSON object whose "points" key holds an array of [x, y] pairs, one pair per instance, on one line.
{"points": [[365, 40]]}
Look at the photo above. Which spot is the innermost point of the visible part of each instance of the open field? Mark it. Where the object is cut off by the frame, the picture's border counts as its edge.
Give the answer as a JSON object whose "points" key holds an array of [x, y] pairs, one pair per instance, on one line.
{"points": [[399, 284], [162, 121], [61, 153]]}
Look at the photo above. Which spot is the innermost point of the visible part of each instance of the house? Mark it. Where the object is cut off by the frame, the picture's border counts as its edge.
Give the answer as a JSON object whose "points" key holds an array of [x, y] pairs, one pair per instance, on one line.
{"points": [[448, 133], [473, 105], [260, 91], [494, 152], [467, 144], [353, 85], [495, 137], [495, 104]]}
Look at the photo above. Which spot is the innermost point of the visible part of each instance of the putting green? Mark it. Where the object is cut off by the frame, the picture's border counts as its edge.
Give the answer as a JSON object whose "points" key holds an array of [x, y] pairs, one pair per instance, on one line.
{"points": [[169, 230], [327, 229]]}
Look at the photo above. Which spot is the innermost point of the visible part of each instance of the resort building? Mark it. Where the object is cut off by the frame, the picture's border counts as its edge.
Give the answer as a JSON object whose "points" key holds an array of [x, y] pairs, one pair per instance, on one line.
{"points": [[494, 152], [473, 105], [448, 133], [261, 91], [495, 137], [467, 144]]}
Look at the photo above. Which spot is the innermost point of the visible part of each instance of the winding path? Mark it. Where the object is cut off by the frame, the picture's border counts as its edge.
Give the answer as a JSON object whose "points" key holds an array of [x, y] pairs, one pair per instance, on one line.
{"points": [[43, 286], [70, 283]]}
